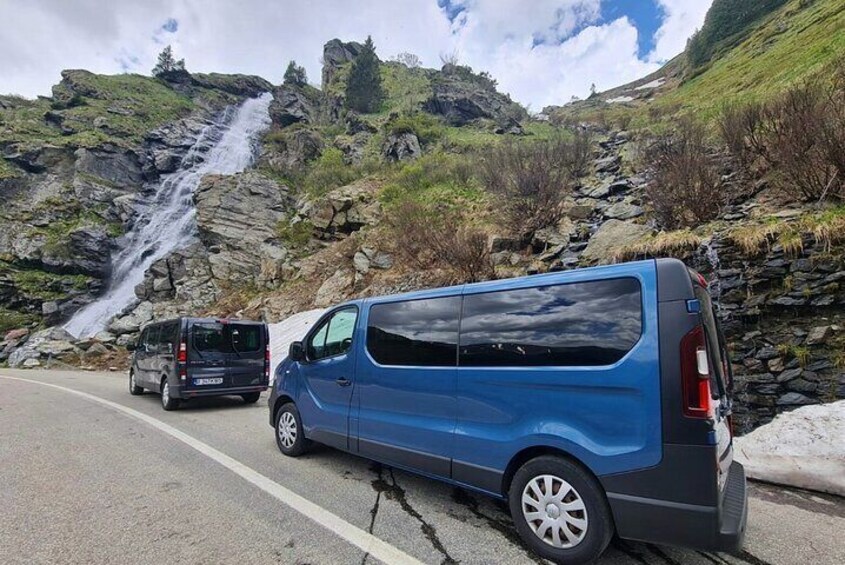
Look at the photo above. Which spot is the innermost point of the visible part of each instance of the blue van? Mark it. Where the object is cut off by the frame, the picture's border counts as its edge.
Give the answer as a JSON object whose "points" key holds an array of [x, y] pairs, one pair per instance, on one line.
{"points": [[594, 401]]}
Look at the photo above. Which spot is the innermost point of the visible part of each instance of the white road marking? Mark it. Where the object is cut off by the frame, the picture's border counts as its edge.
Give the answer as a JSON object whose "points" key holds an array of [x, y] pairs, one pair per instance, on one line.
{"points": [[369, 543]]}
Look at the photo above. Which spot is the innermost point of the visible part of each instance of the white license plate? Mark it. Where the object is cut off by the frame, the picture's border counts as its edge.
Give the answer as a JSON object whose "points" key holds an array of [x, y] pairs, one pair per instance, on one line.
{"points": [[217, 381]]}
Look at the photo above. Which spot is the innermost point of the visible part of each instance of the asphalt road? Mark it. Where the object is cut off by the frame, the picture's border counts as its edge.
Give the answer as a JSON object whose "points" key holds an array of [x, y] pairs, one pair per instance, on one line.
{"points": [[84, 482]]}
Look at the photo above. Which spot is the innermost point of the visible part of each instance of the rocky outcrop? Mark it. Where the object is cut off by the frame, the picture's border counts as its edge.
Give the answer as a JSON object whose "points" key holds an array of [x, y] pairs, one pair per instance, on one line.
{"points": [[248, 86], [344, 210], [612, 236], [401, 147], [295, 104], [292, 149], [238, 218], [462, 97], [335, 54]]}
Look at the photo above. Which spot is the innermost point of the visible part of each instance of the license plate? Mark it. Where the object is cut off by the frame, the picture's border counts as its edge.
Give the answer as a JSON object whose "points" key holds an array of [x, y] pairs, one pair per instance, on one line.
{"points": [[217, 381]]}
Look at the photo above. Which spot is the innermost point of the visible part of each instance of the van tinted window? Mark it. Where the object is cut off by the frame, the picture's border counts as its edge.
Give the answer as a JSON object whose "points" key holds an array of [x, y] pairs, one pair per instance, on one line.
{"points": [[334, 336], [245, 338], [169, 333], [580, 324], [208, 337], [415, 333]]}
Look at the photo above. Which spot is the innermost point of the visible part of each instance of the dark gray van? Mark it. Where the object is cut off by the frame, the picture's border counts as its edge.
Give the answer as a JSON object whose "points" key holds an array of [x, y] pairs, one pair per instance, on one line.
{"points": [[189, 357]]}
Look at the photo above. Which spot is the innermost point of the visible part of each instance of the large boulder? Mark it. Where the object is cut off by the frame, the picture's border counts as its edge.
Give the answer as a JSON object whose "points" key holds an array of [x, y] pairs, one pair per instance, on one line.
{"points": [[401, 147], [238, 218], [344, 210], [132, 322], [462, 97], [335, 54], [612, 236], [182, 281], [335, 289], [292, 149]]}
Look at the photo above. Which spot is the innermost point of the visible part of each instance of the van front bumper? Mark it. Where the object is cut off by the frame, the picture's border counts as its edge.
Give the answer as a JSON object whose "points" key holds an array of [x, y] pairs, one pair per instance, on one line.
{"points": [[708, 528], [185, 393]]}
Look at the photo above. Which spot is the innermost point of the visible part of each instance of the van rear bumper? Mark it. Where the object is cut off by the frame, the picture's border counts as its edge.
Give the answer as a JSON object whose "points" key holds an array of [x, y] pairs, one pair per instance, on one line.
{"points": [[183, 393], [708, 528]]}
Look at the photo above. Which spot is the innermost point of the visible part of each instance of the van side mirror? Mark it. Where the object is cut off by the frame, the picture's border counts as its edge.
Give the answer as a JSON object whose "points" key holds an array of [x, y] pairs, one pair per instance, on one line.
{"points": [[296, 351]]}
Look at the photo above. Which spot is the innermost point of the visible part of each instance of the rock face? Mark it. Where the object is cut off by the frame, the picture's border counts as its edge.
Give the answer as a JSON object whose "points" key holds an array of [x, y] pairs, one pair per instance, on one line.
{"points": [[294, 104], [462, 98], [402, 147], [240, 85], [293, 150], [335, 54], [344, 210], [237, 219]]}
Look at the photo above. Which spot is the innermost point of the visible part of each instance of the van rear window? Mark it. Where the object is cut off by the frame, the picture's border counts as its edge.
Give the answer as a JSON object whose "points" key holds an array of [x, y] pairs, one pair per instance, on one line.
{"points": [[581, 324], [245, 338], [209, 337], [421, 333]]}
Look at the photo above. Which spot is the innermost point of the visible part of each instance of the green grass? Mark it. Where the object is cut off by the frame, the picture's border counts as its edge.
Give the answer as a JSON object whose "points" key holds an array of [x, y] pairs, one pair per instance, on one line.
{"points": [[295, 235], [406, 89], [12, 319], [149, 103], [791, 44], [7, 170]]}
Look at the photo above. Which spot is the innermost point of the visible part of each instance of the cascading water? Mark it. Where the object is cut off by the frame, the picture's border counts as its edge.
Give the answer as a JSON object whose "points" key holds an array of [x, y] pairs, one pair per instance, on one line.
{"points": [[168, 219]]}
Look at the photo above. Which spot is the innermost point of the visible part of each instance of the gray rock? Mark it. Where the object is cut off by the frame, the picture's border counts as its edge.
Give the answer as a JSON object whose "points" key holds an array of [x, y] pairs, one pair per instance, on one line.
{"points": [[612, 236], [580, 211], [294, 104], [500, 243], [766, 353], [335, 54], [361, 262], [401, 147], [819, 335], [608, 164], [461, 100], [624, 211], [795, 399], [802, 385], [31, 363], [132, 322], [344, 210]]}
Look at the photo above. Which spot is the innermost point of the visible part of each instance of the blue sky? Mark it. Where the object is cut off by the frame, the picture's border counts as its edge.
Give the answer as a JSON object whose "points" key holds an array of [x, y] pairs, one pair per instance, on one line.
{"points": [[540, 51]]}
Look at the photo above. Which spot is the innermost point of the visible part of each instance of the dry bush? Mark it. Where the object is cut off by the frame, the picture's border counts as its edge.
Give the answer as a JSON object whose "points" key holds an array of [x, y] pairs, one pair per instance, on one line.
{"points": [[685, 189], [532, 177], [799, 138], [441, 238]]}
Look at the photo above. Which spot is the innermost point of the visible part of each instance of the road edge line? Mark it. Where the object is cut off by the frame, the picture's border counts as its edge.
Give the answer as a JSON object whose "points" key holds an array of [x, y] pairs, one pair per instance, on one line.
{"points": [[365, 541]]}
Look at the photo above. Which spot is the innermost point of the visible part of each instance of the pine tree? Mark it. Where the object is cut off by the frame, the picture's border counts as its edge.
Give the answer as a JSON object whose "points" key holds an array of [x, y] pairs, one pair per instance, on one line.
{"points": [[167, 64], [295, 75], [364, 92]]}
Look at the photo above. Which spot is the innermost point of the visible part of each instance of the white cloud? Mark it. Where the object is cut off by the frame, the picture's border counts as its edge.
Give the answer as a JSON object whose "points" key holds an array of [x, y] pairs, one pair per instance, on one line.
{"points": [[541, 55], [681, 19]]}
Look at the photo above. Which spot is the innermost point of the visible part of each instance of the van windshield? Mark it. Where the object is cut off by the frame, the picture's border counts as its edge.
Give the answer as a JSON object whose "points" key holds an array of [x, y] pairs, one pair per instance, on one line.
{"points": [[715, 343]]}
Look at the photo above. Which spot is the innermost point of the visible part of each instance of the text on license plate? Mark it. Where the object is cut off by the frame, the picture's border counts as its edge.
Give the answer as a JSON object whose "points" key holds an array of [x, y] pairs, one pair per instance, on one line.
{"points": [[217, 381]]}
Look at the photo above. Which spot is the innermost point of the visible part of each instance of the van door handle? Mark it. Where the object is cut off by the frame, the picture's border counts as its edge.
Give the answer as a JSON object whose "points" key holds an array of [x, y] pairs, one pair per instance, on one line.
{"points": [[343, 381]]}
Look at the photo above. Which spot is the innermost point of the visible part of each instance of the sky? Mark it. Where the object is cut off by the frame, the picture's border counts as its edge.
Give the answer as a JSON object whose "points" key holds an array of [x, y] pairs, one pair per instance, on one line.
{"points": [[541, 52]]}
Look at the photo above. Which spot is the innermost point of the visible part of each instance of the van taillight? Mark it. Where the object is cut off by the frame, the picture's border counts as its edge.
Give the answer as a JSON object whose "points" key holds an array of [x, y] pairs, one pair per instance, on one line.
{"points": [[267, 362], [695, 372], [183, 353]]}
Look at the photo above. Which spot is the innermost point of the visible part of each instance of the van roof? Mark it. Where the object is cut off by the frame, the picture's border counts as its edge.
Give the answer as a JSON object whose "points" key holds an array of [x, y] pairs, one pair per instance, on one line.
{"points": [[544, 279], [194, 319]]}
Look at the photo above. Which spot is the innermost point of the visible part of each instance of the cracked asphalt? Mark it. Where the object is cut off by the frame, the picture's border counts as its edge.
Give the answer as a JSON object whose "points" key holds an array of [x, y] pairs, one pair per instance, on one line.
{"points": [[84, 483]]}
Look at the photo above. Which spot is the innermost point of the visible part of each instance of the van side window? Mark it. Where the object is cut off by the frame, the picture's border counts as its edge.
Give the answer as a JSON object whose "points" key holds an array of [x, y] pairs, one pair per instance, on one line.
{"points": [[151, 342], [579, 324], [334, 336], [415, 333], [208, 337]]}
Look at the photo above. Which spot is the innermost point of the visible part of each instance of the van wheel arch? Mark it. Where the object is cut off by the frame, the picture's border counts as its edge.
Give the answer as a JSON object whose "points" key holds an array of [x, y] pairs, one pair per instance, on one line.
{"points": [[530, 453], [281, 401]]}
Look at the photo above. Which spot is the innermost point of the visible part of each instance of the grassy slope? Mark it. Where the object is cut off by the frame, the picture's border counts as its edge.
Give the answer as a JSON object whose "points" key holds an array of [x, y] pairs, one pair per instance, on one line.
{"points": [[791, 44]]}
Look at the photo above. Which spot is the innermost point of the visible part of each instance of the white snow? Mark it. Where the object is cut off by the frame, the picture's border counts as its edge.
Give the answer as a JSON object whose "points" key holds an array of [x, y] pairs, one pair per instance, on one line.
{"points": [[286, 332], [804, 448], [652, 84], [620, 99]]}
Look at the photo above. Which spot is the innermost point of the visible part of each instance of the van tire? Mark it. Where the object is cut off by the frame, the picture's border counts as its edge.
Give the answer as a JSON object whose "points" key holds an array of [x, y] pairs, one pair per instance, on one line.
{"points": [[582, 490], [167, 401], [251, 397], [134, 389], [288, 417]]}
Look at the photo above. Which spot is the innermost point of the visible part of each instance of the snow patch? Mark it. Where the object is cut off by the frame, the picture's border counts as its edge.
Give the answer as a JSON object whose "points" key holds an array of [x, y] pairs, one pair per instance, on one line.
{"points": [[652, 84], [804, 448], [620, 99], [286, 332]]}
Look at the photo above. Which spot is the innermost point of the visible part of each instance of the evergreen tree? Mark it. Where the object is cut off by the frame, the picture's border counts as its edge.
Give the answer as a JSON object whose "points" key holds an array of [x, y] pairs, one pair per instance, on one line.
{"points": [[295, 75], [167, 64], [364, 92]]}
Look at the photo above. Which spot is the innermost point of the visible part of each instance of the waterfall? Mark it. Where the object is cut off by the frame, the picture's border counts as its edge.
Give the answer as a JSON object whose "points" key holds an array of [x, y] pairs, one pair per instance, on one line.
{"points": [[168, 218]]}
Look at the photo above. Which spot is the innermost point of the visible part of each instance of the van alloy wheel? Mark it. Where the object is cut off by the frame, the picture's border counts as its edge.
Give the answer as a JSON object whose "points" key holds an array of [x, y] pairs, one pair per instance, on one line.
{"points": [[165, 393], [287, 430], [554, 511]]}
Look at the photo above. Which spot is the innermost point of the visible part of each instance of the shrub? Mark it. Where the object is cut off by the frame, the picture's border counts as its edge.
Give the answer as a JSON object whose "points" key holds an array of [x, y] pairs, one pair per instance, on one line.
{"points": [[685, 188], [426, 127], [329, 171], [531, 178], [441, 237], [454, 173]]}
